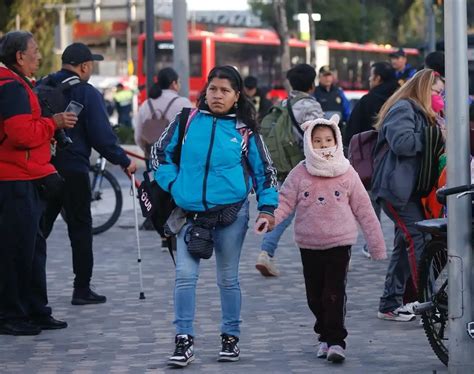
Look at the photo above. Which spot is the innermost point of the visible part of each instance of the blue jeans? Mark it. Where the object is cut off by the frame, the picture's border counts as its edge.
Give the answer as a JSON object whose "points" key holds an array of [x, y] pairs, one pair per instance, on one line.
{"points": [[228, 242], [271, 239]]}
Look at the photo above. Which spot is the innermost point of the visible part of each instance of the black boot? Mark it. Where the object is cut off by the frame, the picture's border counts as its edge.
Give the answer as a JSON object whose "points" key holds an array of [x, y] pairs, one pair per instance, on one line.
{"points": [[84, 296]]}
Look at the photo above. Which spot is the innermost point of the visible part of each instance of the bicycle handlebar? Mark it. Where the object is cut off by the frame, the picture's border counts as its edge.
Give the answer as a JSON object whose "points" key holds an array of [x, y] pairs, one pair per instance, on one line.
{"points": [[443, 192]]}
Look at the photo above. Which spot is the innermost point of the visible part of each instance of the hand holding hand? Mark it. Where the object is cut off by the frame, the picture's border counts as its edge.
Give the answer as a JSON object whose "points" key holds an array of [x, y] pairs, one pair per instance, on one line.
{"points": [[268, 227], [65, 120], [261, 226]]}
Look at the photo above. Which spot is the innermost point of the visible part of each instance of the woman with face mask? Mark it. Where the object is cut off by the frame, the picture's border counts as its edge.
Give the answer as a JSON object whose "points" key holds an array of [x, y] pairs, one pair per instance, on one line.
{"points": [[409, 137], [222, 158]]}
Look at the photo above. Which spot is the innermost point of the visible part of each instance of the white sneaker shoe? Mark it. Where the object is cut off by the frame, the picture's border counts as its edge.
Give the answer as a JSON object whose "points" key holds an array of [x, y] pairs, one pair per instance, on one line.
{"points": [[410, 307], [399, 315], [336, 354], [266, 265], [322, 350]]}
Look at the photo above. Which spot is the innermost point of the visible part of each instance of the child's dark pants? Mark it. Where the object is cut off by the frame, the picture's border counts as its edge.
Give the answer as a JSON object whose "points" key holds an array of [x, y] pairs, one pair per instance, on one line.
{"points": [[325, 274]]}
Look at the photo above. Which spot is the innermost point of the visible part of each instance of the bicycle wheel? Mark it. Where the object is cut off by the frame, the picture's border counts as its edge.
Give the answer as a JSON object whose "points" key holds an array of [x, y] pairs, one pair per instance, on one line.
{"points": [[433, 287], [106, 202]]}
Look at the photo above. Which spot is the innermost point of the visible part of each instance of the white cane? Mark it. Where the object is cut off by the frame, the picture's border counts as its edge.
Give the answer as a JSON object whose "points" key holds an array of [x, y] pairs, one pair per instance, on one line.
{"points": [[139, 259]]}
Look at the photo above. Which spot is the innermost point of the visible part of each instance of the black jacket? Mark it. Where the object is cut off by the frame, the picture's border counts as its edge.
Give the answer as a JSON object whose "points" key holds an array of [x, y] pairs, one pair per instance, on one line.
{"points": [[261, 104], [363, 115]]}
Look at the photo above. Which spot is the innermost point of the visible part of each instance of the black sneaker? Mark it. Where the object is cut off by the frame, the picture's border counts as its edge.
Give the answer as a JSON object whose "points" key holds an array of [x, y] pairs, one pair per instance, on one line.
{"points": [[84, 296], [184, 351], [230, 350]]}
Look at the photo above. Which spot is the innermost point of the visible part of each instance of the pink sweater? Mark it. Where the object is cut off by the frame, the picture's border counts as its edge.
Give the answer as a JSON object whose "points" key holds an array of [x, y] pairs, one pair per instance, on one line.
{"points": [[328, 210], [329, 198]]}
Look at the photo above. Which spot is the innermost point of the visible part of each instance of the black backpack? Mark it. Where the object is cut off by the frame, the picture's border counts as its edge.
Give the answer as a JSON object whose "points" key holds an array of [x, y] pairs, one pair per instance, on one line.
{"points": [[51, 94], [52, 100]]}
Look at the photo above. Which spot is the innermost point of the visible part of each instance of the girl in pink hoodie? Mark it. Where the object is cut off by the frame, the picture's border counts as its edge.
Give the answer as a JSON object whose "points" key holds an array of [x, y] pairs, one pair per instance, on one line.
{"points": [[330, 200]]}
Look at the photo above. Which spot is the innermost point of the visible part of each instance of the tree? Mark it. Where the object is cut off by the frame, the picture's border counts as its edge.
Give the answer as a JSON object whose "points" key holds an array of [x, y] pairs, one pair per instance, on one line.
{"points": [[361, 21], [281, 28], [39, 21]]}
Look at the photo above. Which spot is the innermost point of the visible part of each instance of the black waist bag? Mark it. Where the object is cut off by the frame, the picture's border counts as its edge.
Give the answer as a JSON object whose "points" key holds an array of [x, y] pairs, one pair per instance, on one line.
{"points": [[198, 236]]}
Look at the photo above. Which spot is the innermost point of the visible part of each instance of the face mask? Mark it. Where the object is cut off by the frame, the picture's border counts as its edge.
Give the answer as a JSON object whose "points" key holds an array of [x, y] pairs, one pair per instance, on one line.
{"points": [[437, 103], [326, 153]]}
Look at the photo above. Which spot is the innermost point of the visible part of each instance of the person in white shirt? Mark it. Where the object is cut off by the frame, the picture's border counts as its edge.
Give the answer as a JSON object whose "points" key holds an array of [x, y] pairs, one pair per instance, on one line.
{"points": [[164, 102]]}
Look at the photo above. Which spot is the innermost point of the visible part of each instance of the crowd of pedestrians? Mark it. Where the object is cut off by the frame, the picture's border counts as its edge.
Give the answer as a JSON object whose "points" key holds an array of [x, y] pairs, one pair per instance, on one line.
{"points": [[209, 159]]}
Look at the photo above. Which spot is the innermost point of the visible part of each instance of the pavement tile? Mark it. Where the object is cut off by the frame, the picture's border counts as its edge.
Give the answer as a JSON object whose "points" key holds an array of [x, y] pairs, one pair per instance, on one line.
{"points": [[128, 335]]}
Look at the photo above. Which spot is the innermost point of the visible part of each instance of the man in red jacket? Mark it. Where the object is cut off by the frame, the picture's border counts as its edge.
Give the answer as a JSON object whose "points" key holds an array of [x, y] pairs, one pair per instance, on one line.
{"points": [[26, 174]]}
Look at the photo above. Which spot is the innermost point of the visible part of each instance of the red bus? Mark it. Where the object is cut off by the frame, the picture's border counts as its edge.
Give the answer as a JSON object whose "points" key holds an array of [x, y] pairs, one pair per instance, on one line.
{"points": [[255, 52], [252, 51]]}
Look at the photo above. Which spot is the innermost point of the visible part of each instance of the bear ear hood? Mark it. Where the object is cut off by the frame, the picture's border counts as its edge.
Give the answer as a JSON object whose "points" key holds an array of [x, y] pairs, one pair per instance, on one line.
{"points": [[317, 165]]}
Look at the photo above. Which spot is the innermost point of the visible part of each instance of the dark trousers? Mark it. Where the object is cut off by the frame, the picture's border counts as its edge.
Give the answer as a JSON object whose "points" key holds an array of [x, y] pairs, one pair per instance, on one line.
{"points": [[23, 291], [76, 201], [408, 246], [325, 274]]}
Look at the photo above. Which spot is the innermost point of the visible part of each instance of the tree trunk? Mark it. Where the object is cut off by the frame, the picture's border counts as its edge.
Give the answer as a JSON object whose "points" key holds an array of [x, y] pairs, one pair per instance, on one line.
{"points": [[312, 33], [281, 28]]}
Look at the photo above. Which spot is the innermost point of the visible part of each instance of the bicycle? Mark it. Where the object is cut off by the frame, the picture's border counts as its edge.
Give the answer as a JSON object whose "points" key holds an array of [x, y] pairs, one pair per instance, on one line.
{"points": [[433, 279], [106, 198]]}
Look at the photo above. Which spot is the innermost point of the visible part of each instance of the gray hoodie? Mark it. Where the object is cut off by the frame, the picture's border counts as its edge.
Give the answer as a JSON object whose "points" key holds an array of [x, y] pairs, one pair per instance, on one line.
{"points": [[394, 179]]}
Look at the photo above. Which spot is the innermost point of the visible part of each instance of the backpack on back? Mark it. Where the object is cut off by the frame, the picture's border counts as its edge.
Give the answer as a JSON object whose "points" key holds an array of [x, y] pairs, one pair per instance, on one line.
{"points": [[51, 95], [277, 129], [154, 126], [362, 155]]}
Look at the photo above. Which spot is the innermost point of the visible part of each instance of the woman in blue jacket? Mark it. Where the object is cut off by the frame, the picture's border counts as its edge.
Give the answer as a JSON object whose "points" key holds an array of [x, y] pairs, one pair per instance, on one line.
{"points": [[223, 157]]}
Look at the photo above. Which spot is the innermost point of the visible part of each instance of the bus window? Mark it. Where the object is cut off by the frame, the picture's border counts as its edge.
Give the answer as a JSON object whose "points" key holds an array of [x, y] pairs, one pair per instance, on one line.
{"points": [[298, 55], [249, 59], [164, 56]]}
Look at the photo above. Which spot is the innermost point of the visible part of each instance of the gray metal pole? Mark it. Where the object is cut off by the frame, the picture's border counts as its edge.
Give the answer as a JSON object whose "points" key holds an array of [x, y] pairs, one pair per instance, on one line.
{"points": [[461, 347], [150, 48], [181, 44], [62, 28], [430, 26]]}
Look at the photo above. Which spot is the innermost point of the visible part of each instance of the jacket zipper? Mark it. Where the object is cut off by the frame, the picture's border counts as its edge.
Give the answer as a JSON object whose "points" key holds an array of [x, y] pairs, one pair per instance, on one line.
{"points": [[208, 162]]}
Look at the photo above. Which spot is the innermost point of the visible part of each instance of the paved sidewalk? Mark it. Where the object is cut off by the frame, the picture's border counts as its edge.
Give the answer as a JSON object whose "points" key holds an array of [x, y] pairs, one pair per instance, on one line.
{"points": [[127, 335]]}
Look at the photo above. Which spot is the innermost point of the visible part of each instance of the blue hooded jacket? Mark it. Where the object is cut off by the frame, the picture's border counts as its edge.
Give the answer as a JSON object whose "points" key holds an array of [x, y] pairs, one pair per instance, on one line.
{"points": [[215, 169]]}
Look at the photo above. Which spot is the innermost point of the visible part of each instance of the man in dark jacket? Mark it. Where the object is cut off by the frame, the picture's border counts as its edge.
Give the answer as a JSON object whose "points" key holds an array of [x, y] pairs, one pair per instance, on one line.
{"points": [[260, 102], [382, 85], [403, 70], [93, 130], [331, 97], [25, 167]]}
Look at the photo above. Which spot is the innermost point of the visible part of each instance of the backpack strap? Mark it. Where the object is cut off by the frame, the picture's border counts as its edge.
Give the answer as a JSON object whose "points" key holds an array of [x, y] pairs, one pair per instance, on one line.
{"points": [[183, 120], [292, 115], [69, 82], [169, 105], [183, 124], [152, 109]]}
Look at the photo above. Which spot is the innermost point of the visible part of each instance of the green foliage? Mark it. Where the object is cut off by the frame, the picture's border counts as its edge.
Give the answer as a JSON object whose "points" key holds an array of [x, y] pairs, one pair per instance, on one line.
{"points": [[125, 134], [39, 21], [361, 21]]}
